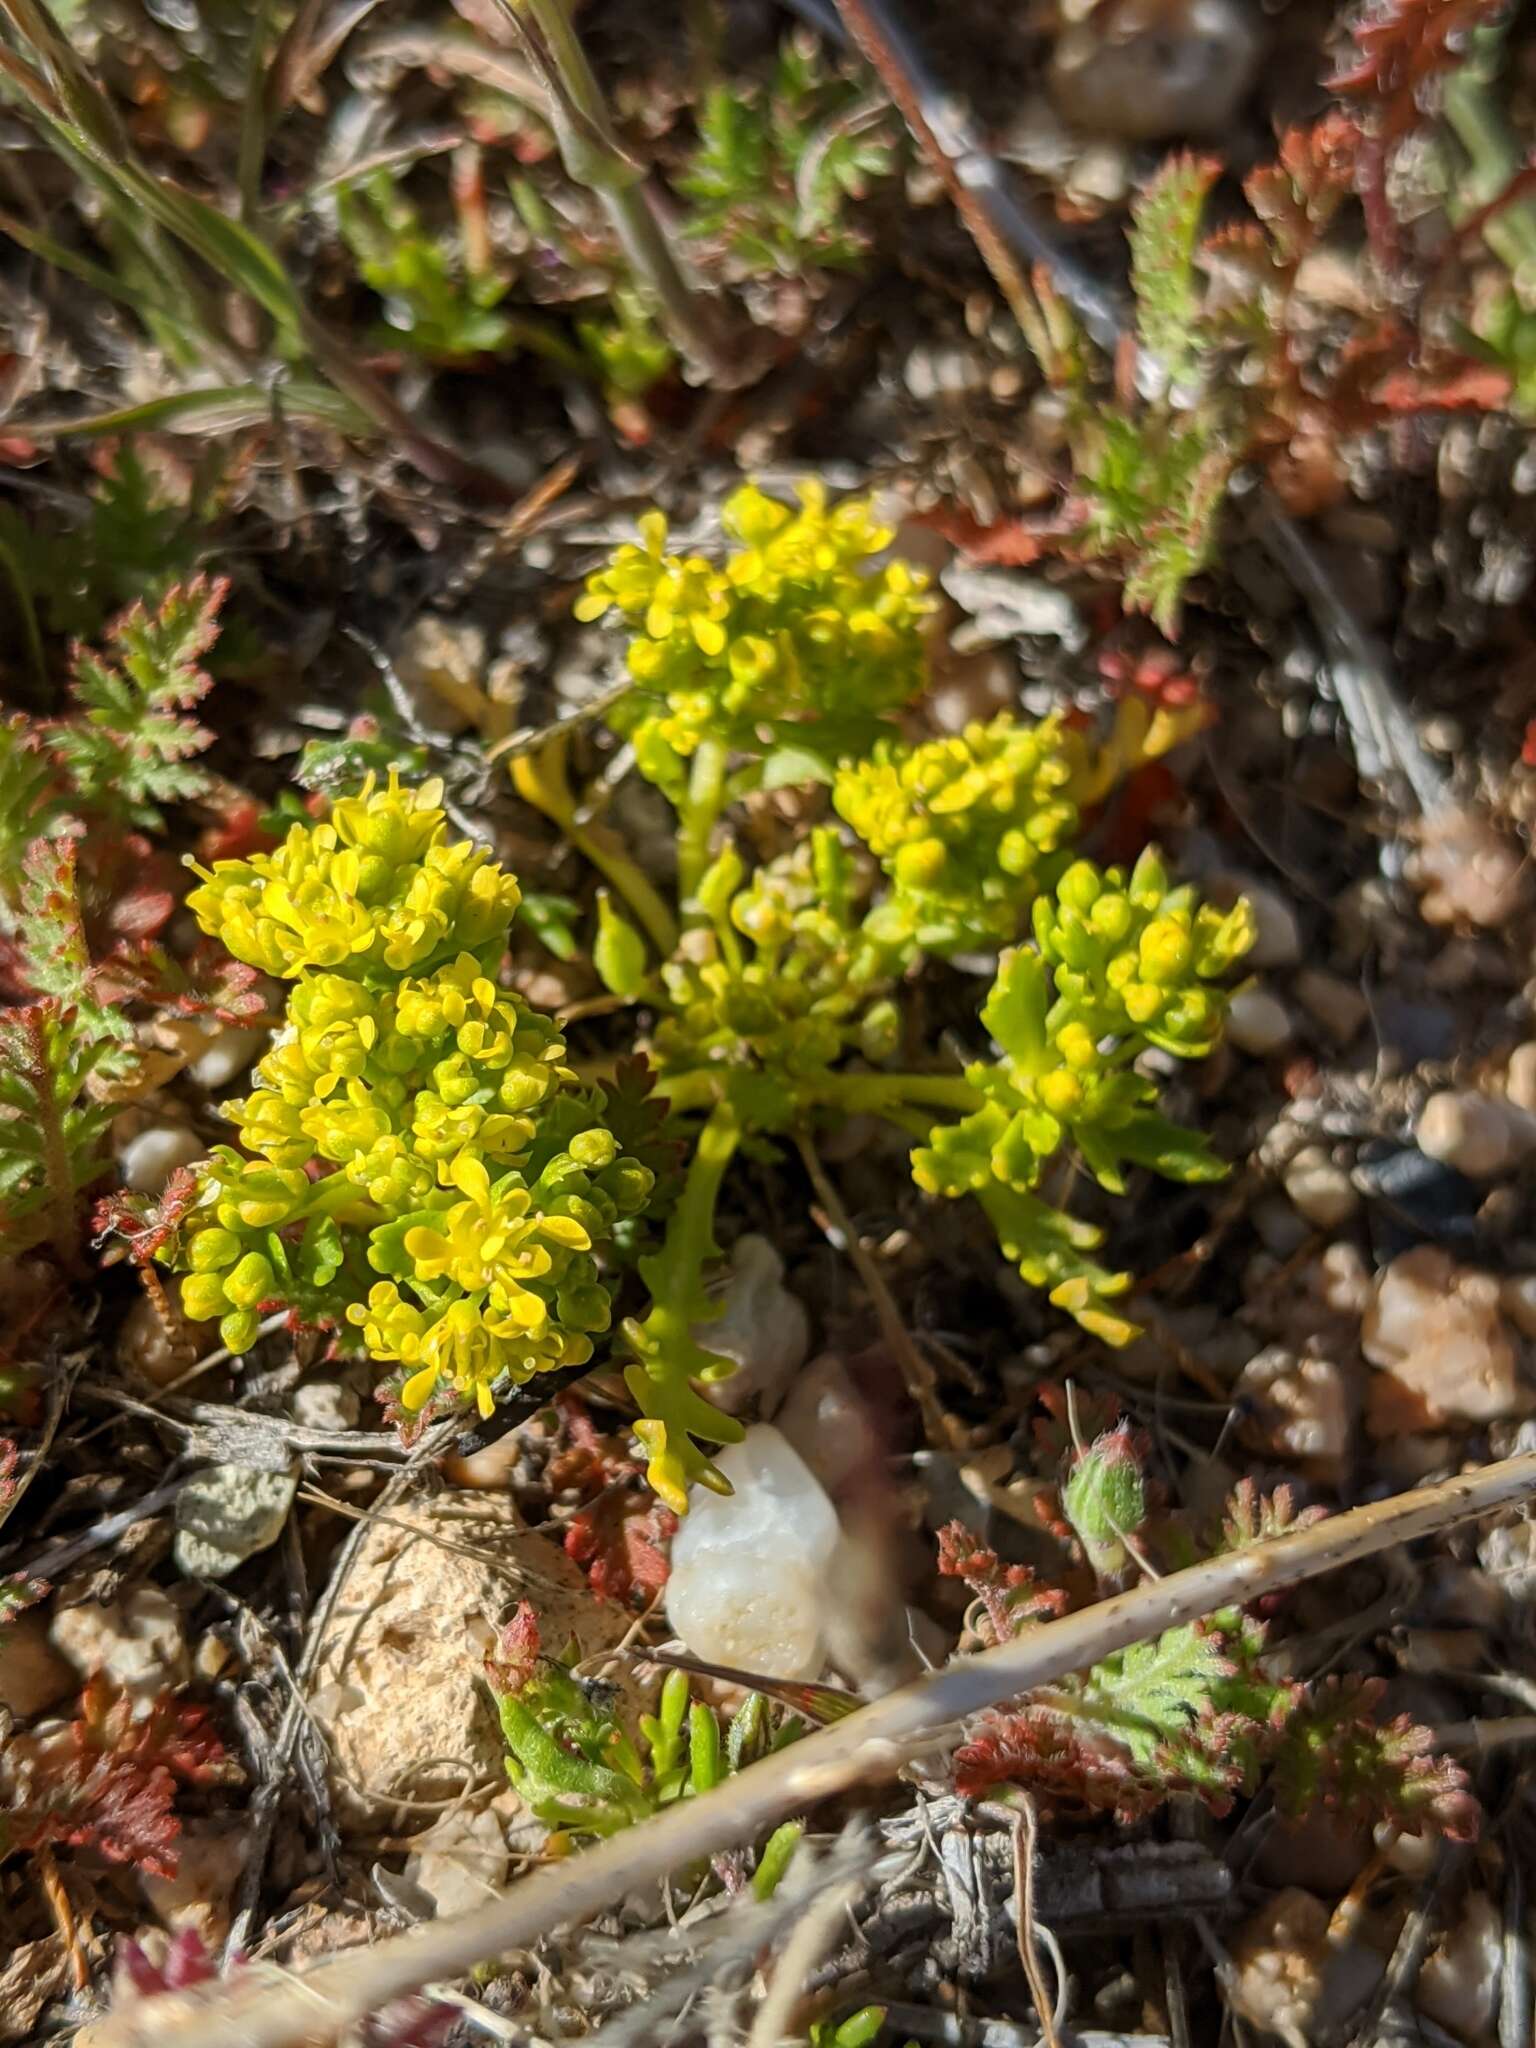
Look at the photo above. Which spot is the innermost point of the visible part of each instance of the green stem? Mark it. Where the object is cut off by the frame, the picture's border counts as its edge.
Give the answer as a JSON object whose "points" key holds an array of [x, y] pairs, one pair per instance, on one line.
{"points": [[593, 157], [691, 1233], [632, 883], [700, 813], [540, 779]]}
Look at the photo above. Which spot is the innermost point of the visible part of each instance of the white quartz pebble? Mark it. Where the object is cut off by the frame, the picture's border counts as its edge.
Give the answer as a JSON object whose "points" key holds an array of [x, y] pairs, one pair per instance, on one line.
{"points": [[1258, 1022], [149, 1159], [749, 1568]]}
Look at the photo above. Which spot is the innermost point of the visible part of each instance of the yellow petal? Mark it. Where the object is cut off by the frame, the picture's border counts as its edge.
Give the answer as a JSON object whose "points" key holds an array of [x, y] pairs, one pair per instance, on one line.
{"points": [[567, 1231], [418, 1389], [469, 1174]]}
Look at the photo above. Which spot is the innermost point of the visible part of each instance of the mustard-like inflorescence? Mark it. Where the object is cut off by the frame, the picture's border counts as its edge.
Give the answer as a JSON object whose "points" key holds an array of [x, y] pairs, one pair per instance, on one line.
{"points": [[967, 828], [799, 625], [420, 1161], [1120, 962]]}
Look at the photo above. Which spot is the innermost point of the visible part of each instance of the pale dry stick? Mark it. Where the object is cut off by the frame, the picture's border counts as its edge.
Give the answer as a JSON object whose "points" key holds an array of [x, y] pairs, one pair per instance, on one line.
{"points": [[773, 2021], [865, 1748]]}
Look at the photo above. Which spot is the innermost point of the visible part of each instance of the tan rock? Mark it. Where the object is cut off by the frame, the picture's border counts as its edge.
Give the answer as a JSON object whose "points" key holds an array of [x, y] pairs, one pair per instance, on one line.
{"points": [[1467, 871], [399, 1693], [1480, 1135], [1435, 1331], [139, 1641], [1295, 1974], [33, 1676], [210, 1855], [1458, 1984], [1298, 1408]]}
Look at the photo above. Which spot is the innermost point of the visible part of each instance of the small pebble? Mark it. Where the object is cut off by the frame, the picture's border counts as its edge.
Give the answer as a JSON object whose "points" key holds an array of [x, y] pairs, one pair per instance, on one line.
{"points": [[1480, 1135], [1520, 1077], [1508, 1555], [149, 1159], [825, 1419], [1337, 1005], [1299, 1407], [1517, 1298], [761, 1326], [1458, 1981], [1435, 1330], [1160, 68], [1321, 1191], [461, 1862], [1258, 1022], [228, 1513], [1281, 1230], [230, 1050], [750, 1568], [1467, 871], [1424, 1196], [147, 1347], [33, 1676], [325, 1404]]}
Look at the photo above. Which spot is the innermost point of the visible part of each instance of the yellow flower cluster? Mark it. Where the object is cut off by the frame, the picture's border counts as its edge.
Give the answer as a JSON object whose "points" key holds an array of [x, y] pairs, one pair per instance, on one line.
{"points": [[966, 828], [1118, 963], [798, 624], [373, 892], [419, 1126]]}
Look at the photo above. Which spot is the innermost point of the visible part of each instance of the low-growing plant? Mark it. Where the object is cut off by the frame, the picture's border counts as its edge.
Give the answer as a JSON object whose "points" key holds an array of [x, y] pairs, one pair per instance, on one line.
{"points": [[775, 989], [1204, 1708], [775, 169], [108, 1780], [82, 897], [581, 1773], [422, 1163]]}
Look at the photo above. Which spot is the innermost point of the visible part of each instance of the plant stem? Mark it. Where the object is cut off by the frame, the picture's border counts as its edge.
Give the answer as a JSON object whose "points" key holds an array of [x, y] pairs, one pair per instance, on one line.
{"points": [[254, 2011], [700, 813], [593, 156], [692, 1229], [540, 779]]}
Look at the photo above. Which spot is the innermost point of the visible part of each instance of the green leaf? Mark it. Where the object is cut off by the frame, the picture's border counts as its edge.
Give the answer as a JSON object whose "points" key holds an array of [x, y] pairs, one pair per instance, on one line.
{"points": [[1165, 232], [619, 952], [788, 766]]}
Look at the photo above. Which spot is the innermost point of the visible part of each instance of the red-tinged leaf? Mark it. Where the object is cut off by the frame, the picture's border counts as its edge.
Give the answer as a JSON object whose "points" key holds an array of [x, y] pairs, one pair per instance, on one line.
{"points": [[1400, 45], [1076, 1770], [516, 1655], [1339, 1758], [207, 983], [617, 1542], [239, 832], [620, 1529], [108, 1781], [1012, 1596], [146, 1222], [1011, 543], [1479, 387]]}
